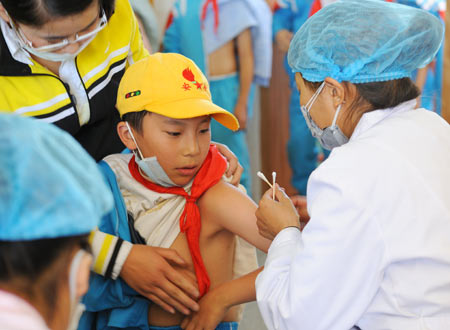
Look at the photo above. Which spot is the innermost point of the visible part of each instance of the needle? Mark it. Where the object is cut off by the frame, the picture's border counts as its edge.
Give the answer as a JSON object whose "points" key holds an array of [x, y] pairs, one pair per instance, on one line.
{"points": [[262, 176], [274, 176]]}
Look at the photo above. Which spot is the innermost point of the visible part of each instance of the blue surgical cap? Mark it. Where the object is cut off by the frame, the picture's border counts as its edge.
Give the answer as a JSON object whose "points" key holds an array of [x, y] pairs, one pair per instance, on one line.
{"points": [[49, 186], [364, 41]]}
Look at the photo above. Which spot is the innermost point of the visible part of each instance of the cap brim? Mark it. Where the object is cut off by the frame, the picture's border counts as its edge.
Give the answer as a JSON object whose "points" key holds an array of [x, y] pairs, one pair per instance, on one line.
{"points": [[190, 108]]}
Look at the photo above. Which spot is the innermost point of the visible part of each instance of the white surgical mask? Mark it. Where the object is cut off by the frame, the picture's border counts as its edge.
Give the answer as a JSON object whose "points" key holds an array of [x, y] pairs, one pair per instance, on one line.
{"points": [[329, 137], [49, 52], [77, 308], [151, 167]]}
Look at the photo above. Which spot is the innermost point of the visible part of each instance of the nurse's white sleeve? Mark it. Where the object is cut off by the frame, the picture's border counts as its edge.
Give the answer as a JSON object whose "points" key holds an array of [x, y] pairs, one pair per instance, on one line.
{"points": [[325, 277]]}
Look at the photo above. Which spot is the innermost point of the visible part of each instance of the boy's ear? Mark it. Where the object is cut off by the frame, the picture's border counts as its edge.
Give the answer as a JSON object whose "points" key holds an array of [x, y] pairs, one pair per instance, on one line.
{"points": [[125, 136]]}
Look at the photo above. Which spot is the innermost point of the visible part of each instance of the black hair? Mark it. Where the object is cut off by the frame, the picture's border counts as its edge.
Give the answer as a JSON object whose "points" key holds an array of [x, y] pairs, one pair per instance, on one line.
{"points": [[38, 12], [27, 261], [377, 95], [135, 119]]}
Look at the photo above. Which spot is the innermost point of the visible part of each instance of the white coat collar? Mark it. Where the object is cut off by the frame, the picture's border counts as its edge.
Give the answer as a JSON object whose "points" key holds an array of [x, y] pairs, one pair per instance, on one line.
{"points": [[370, 119], [17, 52]]}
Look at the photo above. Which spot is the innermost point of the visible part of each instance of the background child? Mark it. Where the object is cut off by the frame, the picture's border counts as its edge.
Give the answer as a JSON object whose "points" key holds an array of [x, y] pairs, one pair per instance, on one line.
{"points": [[301, 147], [172, 182], [231, 42]]}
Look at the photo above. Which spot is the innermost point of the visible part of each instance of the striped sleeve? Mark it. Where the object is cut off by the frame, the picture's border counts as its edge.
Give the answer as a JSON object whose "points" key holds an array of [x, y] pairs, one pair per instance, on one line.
{"points": [[110, 253]]}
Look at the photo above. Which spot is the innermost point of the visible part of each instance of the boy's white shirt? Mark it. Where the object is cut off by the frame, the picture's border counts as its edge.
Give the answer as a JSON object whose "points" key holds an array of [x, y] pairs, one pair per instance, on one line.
{"points": [[157, 215]]}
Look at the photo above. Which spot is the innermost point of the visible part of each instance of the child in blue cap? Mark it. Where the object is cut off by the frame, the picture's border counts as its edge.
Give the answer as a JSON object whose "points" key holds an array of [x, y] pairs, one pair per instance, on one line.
{"points": [[52, 196]]}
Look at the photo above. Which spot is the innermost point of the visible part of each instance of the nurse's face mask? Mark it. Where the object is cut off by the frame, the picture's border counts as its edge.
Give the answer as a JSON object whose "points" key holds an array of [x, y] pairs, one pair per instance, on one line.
{"points": [[77, 308], [53, 51], [329, 137]]}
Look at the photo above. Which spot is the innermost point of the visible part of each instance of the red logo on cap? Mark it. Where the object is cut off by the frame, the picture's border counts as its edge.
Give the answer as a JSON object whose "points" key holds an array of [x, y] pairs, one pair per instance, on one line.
{"points": [[189, 76]]}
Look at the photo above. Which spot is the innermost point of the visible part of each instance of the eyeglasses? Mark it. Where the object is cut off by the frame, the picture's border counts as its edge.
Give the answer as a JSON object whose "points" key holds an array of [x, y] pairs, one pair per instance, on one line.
{"points": [[60, 45]]}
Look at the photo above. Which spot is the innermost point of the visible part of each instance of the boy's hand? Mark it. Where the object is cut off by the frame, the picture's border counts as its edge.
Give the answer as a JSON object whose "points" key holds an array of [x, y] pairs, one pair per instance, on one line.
{"points": [[283, 39], [240, 111], [147, 270], [234, 168], [211, 313], [275, 215]]}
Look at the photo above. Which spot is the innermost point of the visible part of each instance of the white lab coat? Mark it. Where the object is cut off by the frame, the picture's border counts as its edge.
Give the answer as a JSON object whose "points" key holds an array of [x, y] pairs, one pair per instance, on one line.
{"points": [[376, 252], [18, 314]]}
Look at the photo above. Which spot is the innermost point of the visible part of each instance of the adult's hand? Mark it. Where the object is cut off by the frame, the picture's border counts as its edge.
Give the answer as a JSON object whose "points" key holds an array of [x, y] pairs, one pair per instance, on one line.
{"points": [[283, 39], [275, 215], [234, 168], [299, 202], [147, 270]]}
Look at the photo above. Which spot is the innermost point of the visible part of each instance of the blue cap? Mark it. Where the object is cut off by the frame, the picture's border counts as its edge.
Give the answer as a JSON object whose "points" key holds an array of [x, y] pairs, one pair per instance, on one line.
{"points": [[49, 186], [363, 41]]}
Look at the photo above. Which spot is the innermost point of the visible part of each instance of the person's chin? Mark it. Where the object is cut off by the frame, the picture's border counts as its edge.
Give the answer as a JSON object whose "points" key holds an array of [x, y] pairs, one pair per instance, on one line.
{"points": [[184, 175]]}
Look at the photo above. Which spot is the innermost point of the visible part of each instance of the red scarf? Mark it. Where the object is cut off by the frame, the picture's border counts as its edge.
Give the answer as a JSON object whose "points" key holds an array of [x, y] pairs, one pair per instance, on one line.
{"points": [[215, 8], [209, 174]]}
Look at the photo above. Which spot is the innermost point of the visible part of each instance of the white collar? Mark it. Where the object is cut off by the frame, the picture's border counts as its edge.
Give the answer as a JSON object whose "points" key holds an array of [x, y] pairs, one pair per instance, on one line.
{"points": [[17, 52], [370, 119]]}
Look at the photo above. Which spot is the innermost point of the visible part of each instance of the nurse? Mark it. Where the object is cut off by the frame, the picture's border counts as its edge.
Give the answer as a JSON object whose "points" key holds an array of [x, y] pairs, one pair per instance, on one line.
{"points": [[375, 253], [52, 196]]}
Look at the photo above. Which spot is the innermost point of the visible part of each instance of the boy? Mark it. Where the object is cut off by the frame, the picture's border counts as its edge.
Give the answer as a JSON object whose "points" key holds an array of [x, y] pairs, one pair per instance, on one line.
{"points": [[173, 189], [230, 41]]}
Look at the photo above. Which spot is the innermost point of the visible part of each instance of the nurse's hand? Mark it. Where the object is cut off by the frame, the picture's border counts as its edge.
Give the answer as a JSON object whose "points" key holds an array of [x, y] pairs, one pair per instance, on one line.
{"points": [[299, 202], [275, 215], [234, 169]]}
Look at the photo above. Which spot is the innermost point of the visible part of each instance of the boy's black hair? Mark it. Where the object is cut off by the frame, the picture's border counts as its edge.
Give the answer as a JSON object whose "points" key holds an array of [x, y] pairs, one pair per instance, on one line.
{"points": [[38, 12], [135, 119], [378, 95], [28, 260]]}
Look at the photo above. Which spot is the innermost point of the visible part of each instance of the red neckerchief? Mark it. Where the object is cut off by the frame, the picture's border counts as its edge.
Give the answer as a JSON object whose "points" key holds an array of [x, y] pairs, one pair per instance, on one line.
{"points": [[209, 174], [215, 10]]}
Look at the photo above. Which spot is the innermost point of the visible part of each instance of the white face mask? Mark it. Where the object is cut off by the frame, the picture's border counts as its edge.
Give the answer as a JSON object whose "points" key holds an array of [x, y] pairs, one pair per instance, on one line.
{"points": [[49, 52], [329, 137], [56, 57], [77, 308], [151, 167]]}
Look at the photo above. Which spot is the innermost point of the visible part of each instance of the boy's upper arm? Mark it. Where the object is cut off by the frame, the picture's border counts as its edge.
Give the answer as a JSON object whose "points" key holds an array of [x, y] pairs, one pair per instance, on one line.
{"points": [[234, 211]]}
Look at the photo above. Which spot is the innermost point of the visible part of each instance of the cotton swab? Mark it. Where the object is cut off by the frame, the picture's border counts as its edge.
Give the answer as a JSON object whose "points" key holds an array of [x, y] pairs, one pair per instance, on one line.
{"points": [[274, 176], [263, 177]]}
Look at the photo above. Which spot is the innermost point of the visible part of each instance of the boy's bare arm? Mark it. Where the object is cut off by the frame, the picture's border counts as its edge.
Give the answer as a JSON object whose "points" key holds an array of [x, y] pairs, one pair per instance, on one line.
{"points": [[234, 211], [215, 304], [246, 70]]}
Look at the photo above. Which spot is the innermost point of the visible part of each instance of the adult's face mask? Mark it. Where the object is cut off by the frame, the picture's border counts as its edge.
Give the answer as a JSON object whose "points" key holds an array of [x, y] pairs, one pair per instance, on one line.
{"points": [[151, 167], [50, 52], [77, 308], [56, 57], [329, 137]]}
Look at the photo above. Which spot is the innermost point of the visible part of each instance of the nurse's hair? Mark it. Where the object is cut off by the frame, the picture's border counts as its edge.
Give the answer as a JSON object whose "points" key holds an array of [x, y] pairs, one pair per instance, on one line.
{"points": [[38, 12], [376, 95], [38, 267]]}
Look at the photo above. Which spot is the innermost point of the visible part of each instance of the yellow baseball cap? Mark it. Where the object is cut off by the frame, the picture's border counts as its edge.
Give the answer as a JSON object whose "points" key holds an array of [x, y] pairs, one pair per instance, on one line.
{"points": [[171, 85]]}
